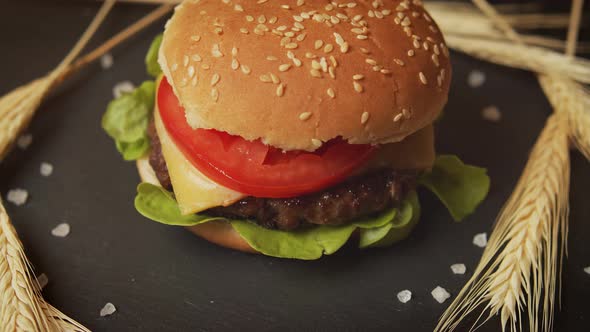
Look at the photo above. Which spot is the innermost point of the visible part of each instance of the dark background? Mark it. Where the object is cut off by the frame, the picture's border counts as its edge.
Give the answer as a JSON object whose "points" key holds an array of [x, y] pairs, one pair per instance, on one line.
{"points": [[165, 279]]}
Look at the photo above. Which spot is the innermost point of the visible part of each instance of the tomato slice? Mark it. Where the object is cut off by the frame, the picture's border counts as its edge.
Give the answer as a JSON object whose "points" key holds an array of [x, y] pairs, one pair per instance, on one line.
{"points": [[253, 168]]}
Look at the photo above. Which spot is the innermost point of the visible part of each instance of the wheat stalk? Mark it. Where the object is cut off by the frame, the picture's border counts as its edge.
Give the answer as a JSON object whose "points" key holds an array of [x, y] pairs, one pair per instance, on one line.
{"points": [[525, 241]]}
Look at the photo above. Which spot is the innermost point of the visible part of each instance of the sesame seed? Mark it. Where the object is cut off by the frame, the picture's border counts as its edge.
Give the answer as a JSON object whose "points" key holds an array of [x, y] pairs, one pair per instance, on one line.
{"points": [[357, 77], [379, 14], [304, 116], [244, 31], [370, 61], [297, 62], [215, 79], [406, 22], [205, 66], [361, 37], [357, 18], [411, 53], [191, 71], [386, 12], [195, 38], [300, 2], [416, 43], [364, 117], [280, 90], [282, 28], [357, 31], [316, 142], [422, 78], [271, 58], [235, 64], [397, 20], [215, 94], [435, 60], [318, 44], [265, 78], [338, 38], [284, 67], [364, 50], [315, 65], [357, 86], [261, 19], [432, 28], [249, 18], [377, 68], [245, 69], [426, 17], [287, 7], [344, 47], [328, 48], [397, 117], [425, 46], [385, 71], [301, 37], [185, 60], [234, 51], [309, 55], [333, 61], [273, 20], [238, 8], [436, 49], [371, 13], [291, 46], [275, 79], [315, 73], [406, 113], [331, 72], [196, 58], [330, 92], [290, 34], [261, 1], [215, 51], [218, 31]]}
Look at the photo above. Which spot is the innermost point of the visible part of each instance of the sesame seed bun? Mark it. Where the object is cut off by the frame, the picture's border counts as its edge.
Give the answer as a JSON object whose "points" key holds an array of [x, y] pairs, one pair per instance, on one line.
{"points": [[298, 76], [219, 232]]}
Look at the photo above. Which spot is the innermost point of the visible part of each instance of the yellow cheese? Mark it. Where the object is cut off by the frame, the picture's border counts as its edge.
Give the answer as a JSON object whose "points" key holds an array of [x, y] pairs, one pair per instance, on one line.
{"points": [[193, 190]]}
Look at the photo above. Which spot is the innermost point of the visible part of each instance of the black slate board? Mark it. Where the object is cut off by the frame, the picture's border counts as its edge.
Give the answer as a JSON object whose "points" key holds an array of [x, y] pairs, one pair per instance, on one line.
{"points": [[165, 279]]}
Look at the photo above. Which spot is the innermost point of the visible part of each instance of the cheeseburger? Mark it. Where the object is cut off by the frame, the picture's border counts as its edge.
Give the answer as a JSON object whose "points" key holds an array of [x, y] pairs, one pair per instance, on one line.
{"points": [[291, 128]]}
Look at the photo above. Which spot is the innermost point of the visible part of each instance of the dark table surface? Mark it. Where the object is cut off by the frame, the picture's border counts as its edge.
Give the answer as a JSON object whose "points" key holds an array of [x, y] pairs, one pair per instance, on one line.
{"points": [[165, 279]]}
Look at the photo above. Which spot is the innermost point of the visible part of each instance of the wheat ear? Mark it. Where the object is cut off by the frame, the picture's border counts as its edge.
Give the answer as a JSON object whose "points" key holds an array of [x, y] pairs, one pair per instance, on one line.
{"points": [[18, 107], [528, 237]]}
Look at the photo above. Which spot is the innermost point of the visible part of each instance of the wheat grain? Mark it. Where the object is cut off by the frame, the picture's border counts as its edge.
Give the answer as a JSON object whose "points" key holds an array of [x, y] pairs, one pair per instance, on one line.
{"points": [[529, 233]]}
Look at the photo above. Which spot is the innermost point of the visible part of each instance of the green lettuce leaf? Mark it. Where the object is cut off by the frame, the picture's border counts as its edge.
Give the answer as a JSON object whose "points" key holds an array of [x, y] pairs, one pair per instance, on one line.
{"points": [[157, 204], [397, 229], [460, 187], [126, 120], [151, 58]]}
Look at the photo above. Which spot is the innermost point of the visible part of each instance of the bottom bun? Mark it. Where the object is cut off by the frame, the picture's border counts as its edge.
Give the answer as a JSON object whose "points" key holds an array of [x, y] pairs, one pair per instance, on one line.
{"points": [[219, 232]]}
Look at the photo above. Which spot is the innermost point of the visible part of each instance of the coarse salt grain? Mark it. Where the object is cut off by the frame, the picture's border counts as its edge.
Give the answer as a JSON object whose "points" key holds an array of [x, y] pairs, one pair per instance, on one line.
{"points": [[491, 113], [61, 230], [42, 280], [440, 294], [480, 240], [24, 141], [106, 61], [458, 268], [476, 78], [122, 87], [17, 196], [404, 296], [587, 269], [46, 169], [107, 310]]}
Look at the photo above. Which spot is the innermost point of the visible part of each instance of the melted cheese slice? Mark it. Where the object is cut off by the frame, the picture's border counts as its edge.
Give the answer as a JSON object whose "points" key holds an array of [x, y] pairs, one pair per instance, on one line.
{"points": [[193, 190]]}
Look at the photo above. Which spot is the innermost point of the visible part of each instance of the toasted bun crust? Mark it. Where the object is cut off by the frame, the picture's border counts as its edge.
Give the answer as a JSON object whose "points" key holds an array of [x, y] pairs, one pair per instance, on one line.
{"points": [[222, 60], [218, 232]]}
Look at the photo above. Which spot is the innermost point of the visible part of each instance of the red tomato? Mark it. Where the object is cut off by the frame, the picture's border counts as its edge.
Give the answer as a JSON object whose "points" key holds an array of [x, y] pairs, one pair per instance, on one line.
{"points": [[254, 168]]}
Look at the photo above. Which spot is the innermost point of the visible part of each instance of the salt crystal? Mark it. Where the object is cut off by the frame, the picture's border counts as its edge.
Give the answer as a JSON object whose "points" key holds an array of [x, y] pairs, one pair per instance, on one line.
{"points": [[440, 294], [42, 280], [106, 61], [404, 296], [491, 113], [480, 240], [61, 230], [46, 169], [587, 269], [458, 268], [17, 196], [107, 310], [476, 78], [24, 141], [122, 88]]}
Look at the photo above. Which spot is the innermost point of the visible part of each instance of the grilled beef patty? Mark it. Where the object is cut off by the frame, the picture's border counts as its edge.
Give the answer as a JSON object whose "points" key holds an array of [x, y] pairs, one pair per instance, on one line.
{"points": [[354, 198]]}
